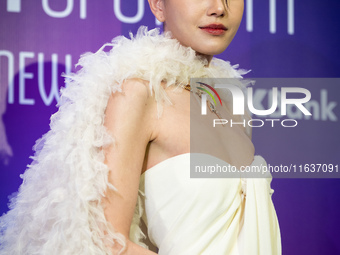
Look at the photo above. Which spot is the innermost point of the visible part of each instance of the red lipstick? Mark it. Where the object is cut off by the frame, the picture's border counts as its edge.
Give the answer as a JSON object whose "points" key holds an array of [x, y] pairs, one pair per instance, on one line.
{"points": [[214, 29]]}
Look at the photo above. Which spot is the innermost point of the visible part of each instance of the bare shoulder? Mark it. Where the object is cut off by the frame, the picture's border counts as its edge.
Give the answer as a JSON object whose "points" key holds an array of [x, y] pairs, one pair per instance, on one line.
{"points": [[133, 91], [132, 108]]}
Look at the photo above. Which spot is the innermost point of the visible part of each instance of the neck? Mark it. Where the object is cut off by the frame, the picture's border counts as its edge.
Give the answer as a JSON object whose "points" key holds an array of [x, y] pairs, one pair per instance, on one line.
{"points": [[207, 57]]}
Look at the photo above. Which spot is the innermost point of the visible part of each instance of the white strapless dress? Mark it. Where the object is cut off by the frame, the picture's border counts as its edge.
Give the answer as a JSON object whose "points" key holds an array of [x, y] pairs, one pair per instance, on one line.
{"points": [[217, 216]]}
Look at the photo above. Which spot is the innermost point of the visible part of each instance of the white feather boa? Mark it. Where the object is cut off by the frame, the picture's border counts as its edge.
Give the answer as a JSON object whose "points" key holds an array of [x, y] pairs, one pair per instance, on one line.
{"points": [[57, 209]]}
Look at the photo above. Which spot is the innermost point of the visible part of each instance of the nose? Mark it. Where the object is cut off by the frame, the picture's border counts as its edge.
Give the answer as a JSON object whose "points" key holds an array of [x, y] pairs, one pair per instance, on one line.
{"points": [[217, 8]]}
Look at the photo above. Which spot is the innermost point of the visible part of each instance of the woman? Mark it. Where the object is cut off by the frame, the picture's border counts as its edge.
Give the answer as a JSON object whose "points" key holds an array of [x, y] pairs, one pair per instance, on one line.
{"points": [[118, 146]]}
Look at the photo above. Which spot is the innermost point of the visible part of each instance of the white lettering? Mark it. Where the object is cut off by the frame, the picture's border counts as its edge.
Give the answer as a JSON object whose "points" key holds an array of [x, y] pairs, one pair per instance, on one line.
{"points": [[295, 123], [250, 123], [249, 14], [10, 74], [272, 121], [130, 20], [243, 123], [23, 76], [292, 112], [277, 113], [238, 100], [14, 5], [219, 122], [204, 104], [262, 94], [290, 18], [238, 97], [83, 8], [253, 120], [272, 16], [54, 93], [297, 101], [7, 83], [57, 14]]}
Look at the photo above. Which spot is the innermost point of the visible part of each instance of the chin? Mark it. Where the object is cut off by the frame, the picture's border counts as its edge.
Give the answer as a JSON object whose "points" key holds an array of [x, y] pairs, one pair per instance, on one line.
{"points": [[213, 48], [211, 51]]}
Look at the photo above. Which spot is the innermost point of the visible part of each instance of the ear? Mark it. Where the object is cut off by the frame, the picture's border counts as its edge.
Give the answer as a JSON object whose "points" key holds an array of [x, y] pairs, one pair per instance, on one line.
{"points": [[157, 8]]}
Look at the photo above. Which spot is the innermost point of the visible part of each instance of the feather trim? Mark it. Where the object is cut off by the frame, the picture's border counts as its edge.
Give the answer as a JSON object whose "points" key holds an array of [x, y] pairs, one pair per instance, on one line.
{"points": [[57, 208]]}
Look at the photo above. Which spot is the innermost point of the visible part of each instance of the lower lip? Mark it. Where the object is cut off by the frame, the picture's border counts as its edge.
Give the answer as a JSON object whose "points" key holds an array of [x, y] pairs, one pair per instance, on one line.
{"points": [[214, 31]]}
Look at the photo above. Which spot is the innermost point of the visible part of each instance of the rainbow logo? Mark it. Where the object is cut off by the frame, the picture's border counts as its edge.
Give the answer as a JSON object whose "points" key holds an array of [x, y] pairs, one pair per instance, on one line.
{"points": [[209, 93]]}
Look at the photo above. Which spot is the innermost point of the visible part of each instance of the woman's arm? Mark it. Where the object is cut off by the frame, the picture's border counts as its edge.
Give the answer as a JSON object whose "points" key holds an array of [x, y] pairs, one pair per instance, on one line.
{"points": [[128, 118]]}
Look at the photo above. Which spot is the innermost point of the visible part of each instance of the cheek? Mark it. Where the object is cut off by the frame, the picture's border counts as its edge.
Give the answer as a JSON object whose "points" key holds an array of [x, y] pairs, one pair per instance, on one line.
{"points": [[175, 21], [236, 9]]}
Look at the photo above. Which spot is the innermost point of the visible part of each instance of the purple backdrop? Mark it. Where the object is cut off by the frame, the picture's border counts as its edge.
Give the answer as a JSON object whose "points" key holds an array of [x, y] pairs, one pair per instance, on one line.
{"points": [[42, 39]]}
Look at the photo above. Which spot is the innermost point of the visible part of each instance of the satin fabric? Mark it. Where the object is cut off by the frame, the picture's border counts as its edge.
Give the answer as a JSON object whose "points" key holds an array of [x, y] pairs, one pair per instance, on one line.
{"points": [[220, 216]]}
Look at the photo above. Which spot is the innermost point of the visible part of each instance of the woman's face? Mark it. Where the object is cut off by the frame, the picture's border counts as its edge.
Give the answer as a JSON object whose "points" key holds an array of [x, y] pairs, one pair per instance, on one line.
{"points": [[207, 26]]}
